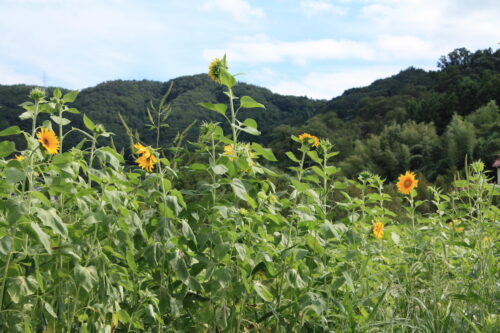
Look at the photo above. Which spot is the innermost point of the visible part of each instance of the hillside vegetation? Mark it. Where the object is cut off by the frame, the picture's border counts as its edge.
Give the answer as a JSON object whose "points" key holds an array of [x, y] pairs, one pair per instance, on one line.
{"points": [[427, 121]]}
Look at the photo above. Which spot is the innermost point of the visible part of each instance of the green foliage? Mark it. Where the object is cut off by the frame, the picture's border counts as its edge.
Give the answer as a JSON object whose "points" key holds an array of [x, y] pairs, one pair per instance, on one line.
{"points": [[214, 240]]}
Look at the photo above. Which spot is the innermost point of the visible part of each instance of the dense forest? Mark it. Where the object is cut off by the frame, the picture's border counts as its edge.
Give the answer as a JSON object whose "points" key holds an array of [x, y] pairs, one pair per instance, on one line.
{"points": [[426, 121]]}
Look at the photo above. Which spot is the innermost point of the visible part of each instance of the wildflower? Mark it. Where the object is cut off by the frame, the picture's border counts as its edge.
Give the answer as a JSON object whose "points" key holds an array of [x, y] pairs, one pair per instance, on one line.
{"points": [[378, 229], [215, 68], [243, 211], [49, 140], [453, 225], [309, 139], [228, 151], [407, 182], [147, 160], [19, 158], [141, 150]]}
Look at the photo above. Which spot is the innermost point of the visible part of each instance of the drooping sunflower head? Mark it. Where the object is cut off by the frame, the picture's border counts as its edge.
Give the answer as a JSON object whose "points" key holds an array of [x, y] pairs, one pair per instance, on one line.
{"points": [[407, 182], [309, 139], [142, 150], [215, 68], [147, 161], [378, 229], [49, 140]]}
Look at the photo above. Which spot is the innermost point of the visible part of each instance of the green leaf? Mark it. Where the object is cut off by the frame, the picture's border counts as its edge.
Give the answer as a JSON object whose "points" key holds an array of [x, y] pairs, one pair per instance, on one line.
{"points": [[60, 120], [292, 156], [13, 175], [70, 97], [50, 310], [267, 153], [249, 130], [42, 237], [262, 291], [219, 169], [173, 204], [319, 172], [27, 115], [219, 108], [57, 93], [13, 130], [249, 122], [85, 277], [187, 231], [129, 257], [50, 219], [313, 154], [227, 79], [5, 245], [88, 123], [40, 196], [20, 286], [7, 148], [179, 266], [248, 102], [73, 110], [238, 188]]}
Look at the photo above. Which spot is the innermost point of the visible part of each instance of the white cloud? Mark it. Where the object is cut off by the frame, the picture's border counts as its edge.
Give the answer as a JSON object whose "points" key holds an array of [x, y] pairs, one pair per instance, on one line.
{"points": [[445, 24], [241, 10], [312, 8], [332, 84], [260, 49]]}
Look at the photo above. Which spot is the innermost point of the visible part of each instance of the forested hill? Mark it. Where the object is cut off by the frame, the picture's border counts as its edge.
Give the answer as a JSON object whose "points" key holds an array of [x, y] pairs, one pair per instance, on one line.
{"points": [[103, 102], [418, 120]]}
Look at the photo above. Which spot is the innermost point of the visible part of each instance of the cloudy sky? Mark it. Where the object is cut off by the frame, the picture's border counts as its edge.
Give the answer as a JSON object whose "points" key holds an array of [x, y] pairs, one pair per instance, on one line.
{"points": [[315, 48]]}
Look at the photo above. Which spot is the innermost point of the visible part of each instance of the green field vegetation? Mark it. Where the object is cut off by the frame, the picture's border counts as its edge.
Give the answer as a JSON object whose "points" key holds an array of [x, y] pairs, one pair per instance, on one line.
{"points": [[216, 238]]}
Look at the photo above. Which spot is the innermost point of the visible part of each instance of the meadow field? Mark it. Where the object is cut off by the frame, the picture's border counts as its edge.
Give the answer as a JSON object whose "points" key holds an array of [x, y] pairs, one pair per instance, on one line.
{"points": [[216, 238]]}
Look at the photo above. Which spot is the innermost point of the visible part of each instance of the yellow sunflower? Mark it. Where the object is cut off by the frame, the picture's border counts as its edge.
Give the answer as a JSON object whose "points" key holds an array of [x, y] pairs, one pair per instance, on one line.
{"points": [[228, 151], [407, 182], [147, 161], [378, 229], [142, 150], [309, 139], [214, 69], [49, 140]]}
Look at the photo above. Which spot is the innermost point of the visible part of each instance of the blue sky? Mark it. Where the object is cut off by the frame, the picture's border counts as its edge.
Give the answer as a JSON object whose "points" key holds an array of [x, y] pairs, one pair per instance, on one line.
{"points": [[315, 48]]}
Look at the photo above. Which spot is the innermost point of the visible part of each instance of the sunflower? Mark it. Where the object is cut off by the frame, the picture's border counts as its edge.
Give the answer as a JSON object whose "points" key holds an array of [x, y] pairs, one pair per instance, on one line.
{"points": [[49, 140], [309, 139], [407, 182], [378, 229], [147, 161], [141, 149], [228, 151], [214, 69]]}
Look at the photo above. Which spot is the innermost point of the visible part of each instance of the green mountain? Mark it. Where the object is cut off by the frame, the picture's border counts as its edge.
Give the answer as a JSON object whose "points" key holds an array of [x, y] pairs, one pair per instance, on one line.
{"points": [[103, 102], [427, 121]]}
